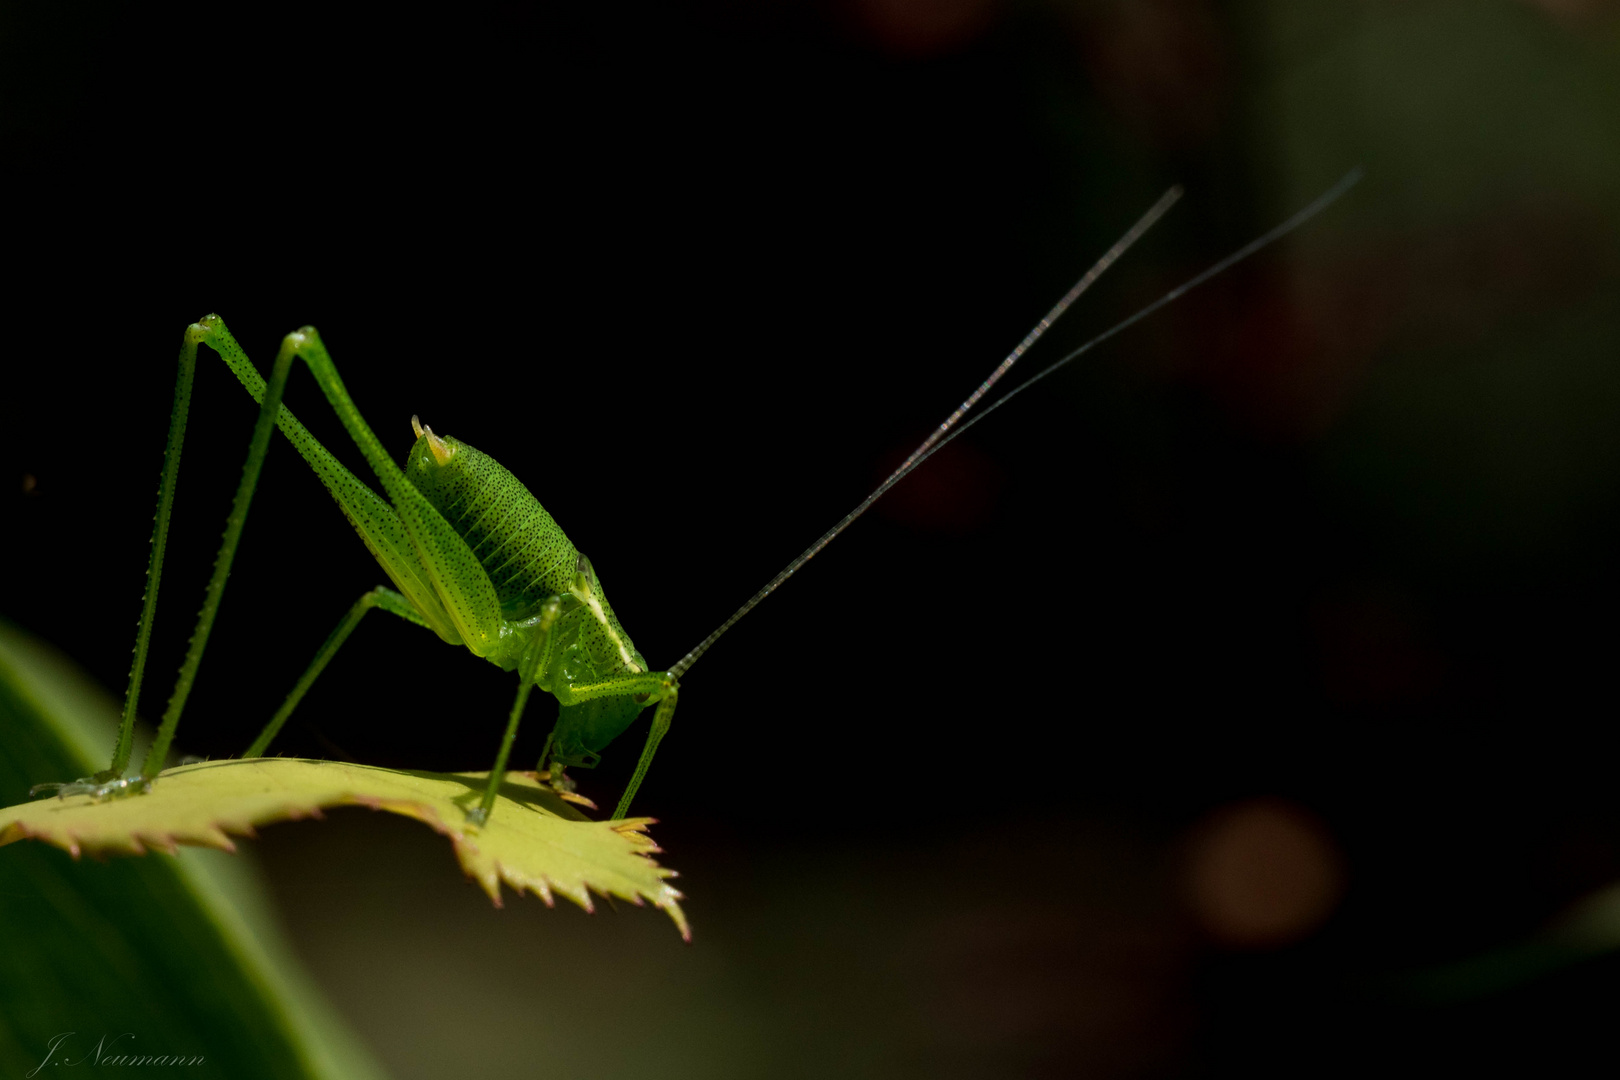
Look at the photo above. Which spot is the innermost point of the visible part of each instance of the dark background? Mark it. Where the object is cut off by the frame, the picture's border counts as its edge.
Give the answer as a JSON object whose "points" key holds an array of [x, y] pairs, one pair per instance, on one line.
{"points": [[1335, 531]]}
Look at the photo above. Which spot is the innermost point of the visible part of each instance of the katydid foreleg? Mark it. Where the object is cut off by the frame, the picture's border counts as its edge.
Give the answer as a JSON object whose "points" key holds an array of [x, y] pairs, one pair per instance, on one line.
{"points": [[660, 727]]}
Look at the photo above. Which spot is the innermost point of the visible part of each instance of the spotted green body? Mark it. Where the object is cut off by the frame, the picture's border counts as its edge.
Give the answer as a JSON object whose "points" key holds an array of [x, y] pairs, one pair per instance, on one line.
{"points": [[520, 546], [529, 560]]}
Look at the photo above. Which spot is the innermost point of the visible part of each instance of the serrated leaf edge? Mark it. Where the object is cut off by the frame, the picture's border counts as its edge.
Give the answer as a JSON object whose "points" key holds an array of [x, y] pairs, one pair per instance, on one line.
{"points": [[218, 836]]}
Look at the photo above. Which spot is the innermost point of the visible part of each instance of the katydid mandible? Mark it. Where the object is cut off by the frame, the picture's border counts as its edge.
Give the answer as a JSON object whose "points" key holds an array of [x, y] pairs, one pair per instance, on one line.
{"points": [[476, 559]]}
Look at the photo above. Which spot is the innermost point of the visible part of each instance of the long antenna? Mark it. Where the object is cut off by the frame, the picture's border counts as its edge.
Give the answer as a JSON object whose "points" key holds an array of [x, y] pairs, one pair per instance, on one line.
{"points": [[1320, 203], [952, 425], [1145, 222]]}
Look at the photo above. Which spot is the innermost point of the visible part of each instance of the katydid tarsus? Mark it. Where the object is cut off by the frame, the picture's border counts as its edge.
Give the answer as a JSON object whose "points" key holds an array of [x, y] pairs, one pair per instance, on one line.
{"points": [[476, 559]]}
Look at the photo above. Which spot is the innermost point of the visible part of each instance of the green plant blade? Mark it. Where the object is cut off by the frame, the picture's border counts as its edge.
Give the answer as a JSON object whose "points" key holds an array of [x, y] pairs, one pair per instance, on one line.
{"points": [[534, 841], [102, 964]]}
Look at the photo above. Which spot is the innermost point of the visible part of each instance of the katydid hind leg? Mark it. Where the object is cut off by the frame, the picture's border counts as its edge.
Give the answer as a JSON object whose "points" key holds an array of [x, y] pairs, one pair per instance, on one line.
{"points": [[154, 569], [258, 444], [457, 577], [379, 528], [269, 404], [372, 517], [381, 598]]}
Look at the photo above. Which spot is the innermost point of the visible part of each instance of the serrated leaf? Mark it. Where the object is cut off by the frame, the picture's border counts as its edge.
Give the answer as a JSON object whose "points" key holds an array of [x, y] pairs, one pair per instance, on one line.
{"points": [[533, 841]]}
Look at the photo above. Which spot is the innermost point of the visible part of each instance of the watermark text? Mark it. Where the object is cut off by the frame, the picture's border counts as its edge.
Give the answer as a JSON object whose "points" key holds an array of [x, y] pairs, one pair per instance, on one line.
{"points": [[69, 1048]]}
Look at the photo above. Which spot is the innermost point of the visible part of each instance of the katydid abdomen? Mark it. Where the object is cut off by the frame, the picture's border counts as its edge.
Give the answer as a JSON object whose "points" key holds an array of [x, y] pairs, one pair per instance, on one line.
{"points": [[530, 561], [520, 546]]}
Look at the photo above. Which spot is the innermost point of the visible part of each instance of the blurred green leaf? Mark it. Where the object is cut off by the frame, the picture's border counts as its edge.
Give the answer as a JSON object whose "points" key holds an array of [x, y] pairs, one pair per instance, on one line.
{"points": [[172, 956]]}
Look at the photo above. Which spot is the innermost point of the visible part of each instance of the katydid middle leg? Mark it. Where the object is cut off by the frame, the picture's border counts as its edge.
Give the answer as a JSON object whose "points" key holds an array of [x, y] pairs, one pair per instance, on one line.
{"points": [[386, 599]]}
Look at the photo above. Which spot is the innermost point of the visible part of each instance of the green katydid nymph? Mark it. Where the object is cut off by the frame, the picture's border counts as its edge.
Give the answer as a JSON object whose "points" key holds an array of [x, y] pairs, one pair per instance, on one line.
{"points": [[475, 558]]}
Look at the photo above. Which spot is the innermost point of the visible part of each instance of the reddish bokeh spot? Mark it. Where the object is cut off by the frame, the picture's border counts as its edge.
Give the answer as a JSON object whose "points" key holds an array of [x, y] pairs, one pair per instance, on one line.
{"points": [[1161, 66], [1262, 873], [1580, 14], [1373, 651], [955, 492], [921, 27]]}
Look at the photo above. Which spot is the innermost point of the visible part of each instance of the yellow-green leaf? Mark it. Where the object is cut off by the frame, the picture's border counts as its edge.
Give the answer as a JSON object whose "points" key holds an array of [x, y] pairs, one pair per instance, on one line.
{"points": [[533, 839]]}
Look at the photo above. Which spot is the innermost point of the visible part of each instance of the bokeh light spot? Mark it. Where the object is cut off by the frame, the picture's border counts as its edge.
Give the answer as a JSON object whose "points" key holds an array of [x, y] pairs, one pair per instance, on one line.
{"points": [[1262, 873]]}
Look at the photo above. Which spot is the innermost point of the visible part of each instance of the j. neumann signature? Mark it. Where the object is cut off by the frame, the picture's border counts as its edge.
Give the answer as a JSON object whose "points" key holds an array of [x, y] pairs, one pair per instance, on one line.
{"points": [[108, 1050]]}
